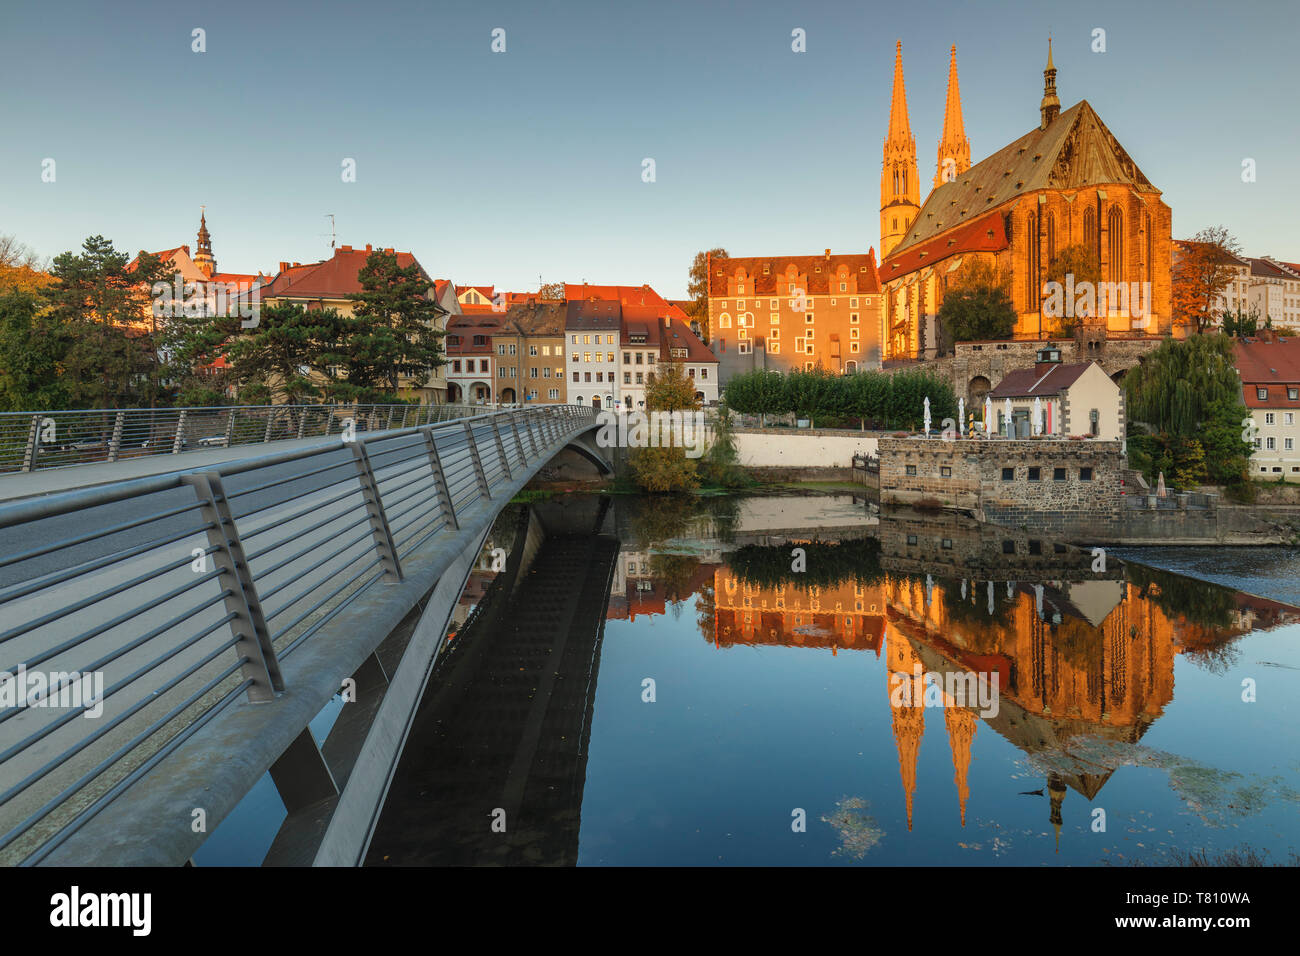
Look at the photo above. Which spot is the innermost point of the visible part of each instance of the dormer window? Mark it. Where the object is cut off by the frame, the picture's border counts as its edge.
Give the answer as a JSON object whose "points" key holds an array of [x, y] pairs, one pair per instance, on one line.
{"points": [[1261, 393]]}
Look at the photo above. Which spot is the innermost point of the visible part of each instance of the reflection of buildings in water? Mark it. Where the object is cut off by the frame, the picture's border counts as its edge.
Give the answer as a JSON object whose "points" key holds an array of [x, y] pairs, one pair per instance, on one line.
{"points": [[1096, 663], [848, 615], [638, 585]]}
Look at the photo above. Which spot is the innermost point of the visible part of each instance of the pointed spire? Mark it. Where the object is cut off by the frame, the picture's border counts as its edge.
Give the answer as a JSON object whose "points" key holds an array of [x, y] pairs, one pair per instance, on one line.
{"points": [[1051, 105], [953, 145], [899, 180], [961, 722], [908, 722], [899, 127], [203, 254]]}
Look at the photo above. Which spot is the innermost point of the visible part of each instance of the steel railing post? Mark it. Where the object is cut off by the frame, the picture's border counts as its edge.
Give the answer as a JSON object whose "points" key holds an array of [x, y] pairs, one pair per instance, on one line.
{"points": [[440, 481], [33, 433], [230, 429], [270, 418], [115, 443], [375, 511], [302, 421], [179, 441], [249, 625], [329, 422], [519, 442], [479, 473], [501, 447]]}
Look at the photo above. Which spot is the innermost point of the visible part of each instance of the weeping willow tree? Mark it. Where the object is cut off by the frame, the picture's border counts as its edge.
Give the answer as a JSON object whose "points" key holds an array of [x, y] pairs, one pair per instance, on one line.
{"points": [[1188, 393]]}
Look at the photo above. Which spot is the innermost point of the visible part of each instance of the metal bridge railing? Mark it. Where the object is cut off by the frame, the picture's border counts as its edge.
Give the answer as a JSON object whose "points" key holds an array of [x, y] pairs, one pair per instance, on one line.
{"points": [[35, 440], [133, 613]]}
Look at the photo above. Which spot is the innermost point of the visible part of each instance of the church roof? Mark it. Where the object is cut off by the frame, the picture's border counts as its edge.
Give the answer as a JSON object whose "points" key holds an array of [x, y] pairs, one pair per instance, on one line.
{"points": [[769, 273], [1075, 150]]}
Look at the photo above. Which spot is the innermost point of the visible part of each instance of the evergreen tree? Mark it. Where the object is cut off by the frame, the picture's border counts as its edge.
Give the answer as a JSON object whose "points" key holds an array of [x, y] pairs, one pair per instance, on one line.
{"points": [[286, 355], [33, 345], [392, 333]]}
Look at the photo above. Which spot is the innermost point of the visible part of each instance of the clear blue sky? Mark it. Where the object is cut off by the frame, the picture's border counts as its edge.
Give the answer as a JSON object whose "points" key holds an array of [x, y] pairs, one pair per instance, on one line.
{"points": [[495, 168]]}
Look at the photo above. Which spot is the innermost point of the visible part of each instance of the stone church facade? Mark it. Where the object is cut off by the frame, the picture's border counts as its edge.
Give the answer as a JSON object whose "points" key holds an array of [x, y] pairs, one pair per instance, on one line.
{"points": [[1066, 182]]}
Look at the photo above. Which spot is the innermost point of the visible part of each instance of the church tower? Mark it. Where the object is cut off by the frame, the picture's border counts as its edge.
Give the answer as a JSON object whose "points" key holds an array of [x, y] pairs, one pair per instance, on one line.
{"points": [[953, 145], [900, 192], [203, 256], [1050, 108]]}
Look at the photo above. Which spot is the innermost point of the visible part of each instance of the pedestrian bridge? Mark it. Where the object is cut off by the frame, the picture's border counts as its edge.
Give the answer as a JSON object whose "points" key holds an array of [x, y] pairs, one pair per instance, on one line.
{"points": [[166, 641]]}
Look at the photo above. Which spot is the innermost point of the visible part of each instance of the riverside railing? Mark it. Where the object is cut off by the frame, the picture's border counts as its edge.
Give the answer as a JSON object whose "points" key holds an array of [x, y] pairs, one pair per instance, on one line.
{"points": [[50, 439], [132, 614]]}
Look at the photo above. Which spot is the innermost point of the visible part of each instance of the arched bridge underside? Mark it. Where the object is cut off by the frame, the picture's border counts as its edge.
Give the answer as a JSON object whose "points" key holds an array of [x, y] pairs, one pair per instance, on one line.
{"points": [[169, 640]]}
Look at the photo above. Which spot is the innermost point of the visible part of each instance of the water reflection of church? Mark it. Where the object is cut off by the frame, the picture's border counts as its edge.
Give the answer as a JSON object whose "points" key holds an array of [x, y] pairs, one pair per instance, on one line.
{"points": [[1087, 660]]}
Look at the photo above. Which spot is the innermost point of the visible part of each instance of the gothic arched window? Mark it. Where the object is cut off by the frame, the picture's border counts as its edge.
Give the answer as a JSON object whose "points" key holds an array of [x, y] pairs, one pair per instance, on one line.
{"points": [[1115, 248], [1090, 229], [1031, 274], [1051, 238]]}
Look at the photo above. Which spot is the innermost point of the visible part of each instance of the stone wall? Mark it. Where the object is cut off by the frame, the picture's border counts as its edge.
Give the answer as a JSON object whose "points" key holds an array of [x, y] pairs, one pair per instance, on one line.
{"points": [[979, 366], [1077, 475]]}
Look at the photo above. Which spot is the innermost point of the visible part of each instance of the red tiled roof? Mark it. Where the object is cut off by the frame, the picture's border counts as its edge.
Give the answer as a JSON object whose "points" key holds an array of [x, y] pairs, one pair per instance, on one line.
{"points": [[334, 278], [768, 271], [1031, 382], [588, 314], [1262, 267], [1271, 364], [681, 336], [986, 234]]}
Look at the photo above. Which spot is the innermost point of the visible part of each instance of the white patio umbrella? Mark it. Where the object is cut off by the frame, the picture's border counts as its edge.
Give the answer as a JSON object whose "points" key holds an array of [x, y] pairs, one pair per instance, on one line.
{"points": [[1160, 486], [961, 416], [988, 416], [929, 588], [1038, 416], [927, 416], [1011, 433], [990, 599]]}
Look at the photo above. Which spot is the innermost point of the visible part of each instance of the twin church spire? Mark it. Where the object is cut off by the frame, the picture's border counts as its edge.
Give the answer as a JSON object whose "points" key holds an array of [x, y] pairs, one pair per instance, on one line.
{"points": [[900, 198]]}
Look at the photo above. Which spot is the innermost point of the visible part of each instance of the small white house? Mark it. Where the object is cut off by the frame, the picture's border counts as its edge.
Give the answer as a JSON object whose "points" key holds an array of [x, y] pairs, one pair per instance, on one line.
{"points": [[1076, 399]]}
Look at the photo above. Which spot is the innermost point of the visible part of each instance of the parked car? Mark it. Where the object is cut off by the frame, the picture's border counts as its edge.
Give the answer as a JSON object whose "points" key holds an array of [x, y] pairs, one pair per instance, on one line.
{"points": [[212, 441]]}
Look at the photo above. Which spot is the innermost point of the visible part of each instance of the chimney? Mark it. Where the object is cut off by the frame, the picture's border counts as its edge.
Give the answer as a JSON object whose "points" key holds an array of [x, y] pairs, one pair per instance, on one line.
{"points": [[284, 266], [297, 264], [345, 248], [369, 248], [668, 322], [389, 252], [828, 253]]}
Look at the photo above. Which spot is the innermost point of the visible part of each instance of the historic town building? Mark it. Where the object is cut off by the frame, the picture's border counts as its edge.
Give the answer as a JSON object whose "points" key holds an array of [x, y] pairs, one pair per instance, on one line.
{"points": [[1066, 182], [1270, 386], [795, 312]]}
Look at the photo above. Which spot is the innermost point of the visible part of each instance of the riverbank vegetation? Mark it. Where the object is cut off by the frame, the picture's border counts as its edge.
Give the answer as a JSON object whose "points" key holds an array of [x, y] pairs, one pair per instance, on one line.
{"points": [[875, 400]]}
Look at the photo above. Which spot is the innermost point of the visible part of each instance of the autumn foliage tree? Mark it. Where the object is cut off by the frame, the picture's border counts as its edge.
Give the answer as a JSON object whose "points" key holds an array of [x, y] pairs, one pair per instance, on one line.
{"points": [[666, 467], [698, 287], [1203, 269]]}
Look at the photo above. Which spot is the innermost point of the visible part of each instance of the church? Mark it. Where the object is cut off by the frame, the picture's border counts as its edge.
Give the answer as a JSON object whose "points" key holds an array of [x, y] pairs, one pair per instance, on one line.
{"points": [[1066, 182]]}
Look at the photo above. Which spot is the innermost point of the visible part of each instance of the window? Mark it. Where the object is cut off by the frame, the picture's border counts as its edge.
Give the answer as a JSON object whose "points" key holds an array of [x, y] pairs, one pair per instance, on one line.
{"points": [[772, 305], [575, 378], [480, 340], [704, 374], [577, 357], [609, 340], [1268, 418], [546, 373], [1288, 418], [586, 356], [911, 470], [946, 544], [853, 347], [1292, 392], [640, 378], [844, 287], [455, 365], [575, 340], [1085, 474], [1270, 443], [1008, 547], [774, 334], [1008, 474], [945, 471], [532, 373], [1034, 474], [553, 393], [853, 317], [1058, 474], [639, 357], [808, 318], [627, 378], [853, 304], [1288, 444], [532, 350], [482, 365], [774, 348], [808, 334], [627, 358], [911, 539], [1261, 393], [586, 376], [774, 319], [744, 347], [600, 376], [740, 305], [501, 371], [512, 350], [609, 356], [853, 333], [546, 350], [1035, 547], [1094, 423], [586, 339]]}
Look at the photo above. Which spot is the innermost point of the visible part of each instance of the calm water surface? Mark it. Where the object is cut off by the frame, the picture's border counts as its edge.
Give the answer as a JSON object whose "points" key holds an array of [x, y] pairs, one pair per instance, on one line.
{"points": [[673, 683]]}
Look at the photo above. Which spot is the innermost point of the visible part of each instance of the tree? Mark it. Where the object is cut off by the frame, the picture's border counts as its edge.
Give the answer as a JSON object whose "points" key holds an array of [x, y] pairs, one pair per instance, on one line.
{"points": [[286, 355], [698, 287], [20, 267], [112, 360], [1072, 266], [392, 332], [1242, 324], [1189, 391], [666, 468], [1203, 269], [977, 305], [32, 350], [553, 291]]}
